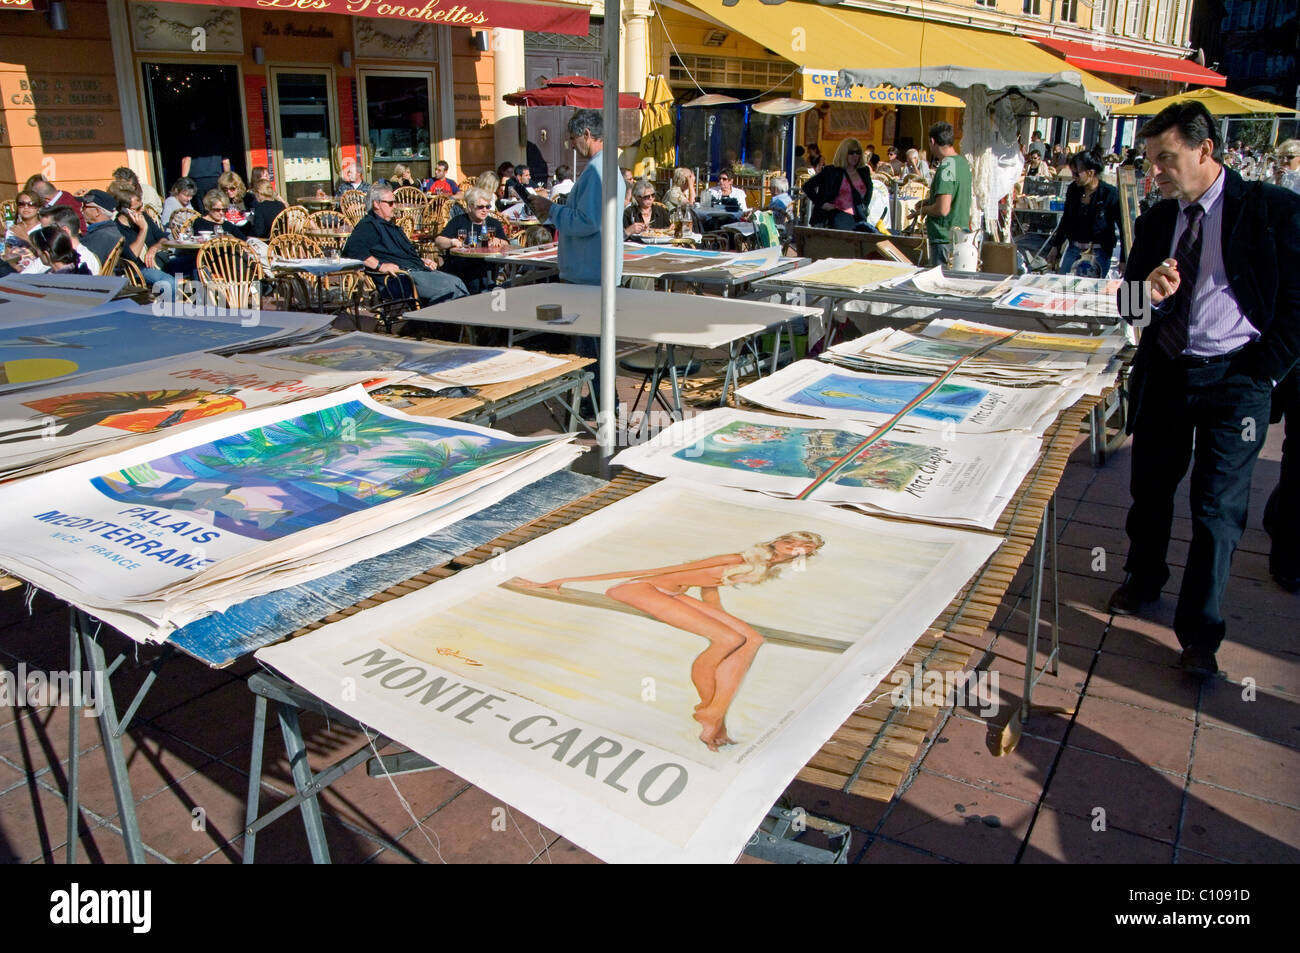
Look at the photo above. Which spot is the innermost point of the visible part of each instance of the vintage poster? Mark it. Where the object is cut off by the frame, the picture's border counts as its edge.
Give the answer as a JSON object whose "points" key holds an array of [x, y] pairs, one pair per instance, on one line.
{"points": [[848, 274], [965, 481], [1062, 304], [435, 365], [61, 424], [157, 535], [1029, 357], [48, 352], [647, 680], [37, 297], [960, 405]]}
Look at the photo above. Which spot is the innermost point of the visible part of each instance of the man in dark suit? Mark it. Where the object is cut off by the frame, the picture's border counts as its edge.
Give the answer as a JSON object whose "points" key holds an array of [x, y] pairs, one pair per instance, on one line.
{"points": [[1215, 267]]}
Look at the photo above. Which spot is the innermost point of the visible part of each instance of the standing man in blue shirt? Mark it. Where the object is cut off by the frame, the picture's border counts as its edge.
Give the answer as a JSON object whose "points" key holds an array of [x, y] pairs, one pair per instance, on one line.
{"points": [[578, 221]]}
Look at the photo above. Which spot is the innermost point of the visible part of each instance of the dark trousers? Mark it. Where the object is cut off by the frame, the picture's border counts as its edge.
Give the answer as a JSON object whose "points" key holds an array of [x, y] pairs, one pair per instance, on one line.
{"points": [[1282, 512], [1214, 418]]}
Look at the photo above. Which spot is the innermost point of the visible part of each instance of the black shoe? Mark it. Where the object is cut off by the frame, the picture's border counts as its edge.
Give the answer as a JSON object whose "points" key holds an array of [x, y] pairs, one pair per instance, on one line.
{"points": [[1129, 598], [1199, 663]]}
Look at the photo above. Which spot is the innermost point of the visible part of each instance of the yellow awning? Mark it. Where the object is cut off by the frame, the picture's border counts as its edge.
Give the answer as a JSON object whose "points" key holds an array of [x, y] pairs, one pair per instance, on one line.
{"points": [[823, 40]]}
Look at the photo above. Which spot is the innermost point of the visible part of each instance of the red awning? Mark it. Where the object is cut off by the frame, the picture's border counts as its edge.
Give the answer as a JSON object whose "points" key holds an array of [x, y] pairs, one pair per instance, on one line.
{"points": [[548, 17], [1110, 60]]}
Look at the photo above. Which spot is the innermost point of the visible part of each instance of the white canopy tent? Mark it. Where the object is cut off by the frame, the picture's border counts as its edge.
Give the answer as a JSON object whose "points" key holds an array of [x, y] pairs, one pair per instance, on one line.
{"points": [[998, 103]]}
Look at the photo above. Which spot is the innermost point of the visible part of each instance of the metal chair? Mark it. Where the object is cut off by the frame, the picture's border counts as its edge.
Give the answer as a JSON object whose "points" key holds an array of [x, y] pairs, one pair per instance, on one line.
{"points": [[230, 273]]}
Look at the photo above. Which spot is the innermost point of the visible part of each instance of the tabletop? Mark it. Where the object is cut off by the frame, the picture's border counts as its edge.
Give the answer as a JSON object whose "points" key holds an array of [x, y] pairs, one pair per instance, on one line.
{"points": [[317, 266], [652, 317]]}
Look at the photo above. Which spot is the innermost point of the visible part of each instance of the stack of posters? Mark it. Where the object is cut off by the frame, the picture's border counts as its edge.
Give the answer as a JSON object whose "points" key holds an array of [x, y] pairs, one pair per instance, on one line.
{"points": [[39, 297], [159, 535], [911, 473], [847, 274], [63, 424], [1064, 296], [933, 281], [428, 365], [1031, 357], [960, 405], [647, 680], [38, 353]]}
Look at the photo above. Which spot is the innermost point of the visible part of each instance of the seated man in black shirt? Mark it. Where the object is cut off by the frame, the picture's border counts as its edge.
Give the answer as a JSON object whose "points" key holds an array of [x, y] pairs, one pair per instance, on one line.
{"points": [[519, 189], [141, 236], [384, 248], [470, 228]]}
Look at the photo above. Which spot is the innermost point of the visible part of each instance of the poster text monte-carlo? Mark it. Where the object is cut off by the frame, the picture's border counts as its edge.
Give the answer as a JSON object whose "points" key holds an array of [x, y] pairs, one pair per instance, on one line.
{"points": [[477, 14]]}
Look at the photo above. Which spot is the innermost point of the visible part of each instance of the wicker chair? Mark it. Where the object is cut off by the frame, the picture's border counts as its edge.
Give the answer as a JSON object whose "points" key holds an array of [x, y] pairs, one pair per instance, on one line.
{"points": [[409, 195], [407, 221], [230, 273], [181, 221], [293, 245], [109, 265], [294, 218], [353, 204], [153, 215], [131, 271], [330, 221]]}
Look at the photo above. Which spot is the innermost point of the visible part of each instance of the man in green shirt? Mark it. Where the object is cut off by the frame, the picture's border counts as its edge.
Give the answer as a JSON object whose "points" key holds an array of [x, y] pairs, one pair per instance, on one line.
{"points": [[949, 204]]}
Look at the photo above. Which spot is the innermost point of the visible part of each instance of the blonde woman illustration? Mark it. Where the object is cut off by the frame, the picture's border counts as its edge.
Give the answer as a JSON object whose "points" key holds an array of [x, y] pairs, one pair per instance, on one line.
{"points": [[662, 594]]}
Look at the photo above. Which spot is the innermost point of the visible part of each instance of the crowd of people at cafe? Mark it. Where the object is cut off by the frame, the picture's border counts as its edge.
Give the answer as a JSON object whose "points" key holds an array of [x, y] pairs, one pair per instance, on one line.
{"points": [[52, 230]]}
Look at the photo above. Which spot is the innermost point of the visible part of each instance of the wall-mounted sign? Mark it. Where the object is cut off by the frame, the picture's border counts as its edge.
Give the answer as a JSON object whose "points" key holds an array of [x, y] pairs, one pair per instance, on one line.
{"points": [[16, 5], [478, 14], [58, 90], [822, 85], [388, 40]]}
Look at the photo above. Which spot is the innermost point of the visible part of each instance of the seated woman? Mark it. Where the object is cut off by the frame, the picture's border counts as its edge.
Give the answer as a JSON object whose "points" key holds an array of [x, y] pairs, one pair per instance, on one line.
{"points": [[1090, 222], [472, 228], [841, 192], [18, 235], [402, 176], [234, 190], [180, 198], [215, 220], [642, 213], [262, 213], [683, 188], [57, 251]]}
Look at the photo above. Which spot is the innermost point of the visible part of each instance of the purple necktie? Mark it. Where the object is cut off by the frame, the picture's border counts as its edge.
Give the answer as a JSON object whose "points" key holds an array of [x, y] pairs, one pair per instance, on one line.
{"points": [[1174, 330]]}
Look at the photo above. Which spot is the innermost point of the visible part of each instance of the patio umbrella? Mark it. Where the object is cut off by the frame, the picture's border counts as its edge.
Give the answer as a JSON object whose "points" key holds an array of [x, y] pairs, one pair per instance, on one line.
{"points": [[1218, 101], [580, 92], [658, 134]]}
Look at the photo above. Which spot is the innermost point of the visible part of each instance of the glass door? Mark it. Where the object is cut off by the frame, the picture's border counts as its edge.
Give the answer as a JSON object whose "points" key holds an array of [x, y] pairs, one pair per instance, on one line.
{"points": [[397, 111], [303, 105]]}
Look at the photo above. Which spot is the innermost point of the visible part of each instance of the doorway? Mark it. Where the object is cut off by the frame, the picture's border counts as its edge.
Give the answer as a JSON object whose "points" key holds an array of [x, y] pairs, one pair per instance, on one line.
{"points": [[194, 111]]}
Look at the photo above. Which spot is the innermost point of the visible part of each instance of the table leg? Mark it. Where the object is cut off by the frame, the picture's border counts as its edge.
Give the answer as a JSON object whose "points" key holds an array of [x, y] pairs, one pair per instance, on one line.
{"points": [[296, 749], [254, 779], [111, 730], [74, 739], [678, 411]]}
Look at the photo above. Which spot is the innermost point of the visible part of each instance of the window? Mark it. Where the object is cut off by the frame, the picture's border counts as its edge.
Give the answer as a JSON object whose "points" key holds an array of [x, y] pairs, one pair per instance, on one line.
{"points": [[1069, 11], [397, 117], [1099, 14], [1133, 18], [726, 71], [986, 3], [1162, 21], [1033, 8]]}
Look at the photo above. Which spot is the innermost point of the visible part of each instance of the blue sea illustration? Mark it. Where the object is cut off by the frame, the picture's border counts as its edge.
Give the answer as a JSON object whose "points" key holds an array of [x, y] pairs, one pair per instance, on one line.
{"points": [[807, 452], [269, 482], [881, 396], [394, 354]]}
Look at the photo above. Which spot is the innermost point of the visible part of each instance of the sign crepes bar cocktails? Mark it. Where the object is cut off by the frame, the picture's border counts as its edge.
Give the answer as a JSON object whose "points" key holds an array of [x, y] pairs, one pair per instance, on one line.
{"points": [[476, 14]]}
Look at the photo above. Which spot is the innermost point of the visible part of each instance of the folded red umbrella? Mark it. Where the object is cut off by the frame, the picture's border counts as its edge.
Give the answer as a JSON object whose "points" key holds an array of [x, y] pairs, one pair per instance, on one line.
{"points": [[580, 92]]}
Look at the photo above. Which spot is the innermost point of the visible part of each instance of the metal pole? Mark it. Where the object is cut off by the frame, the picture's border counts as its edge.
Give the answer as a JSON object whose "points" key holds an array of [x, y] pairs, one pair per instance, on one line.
{"points": [[611, 231]]}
